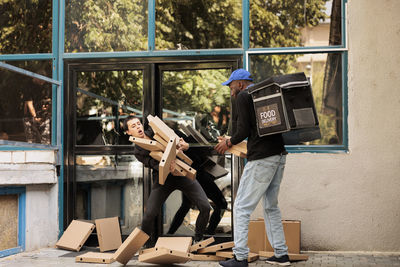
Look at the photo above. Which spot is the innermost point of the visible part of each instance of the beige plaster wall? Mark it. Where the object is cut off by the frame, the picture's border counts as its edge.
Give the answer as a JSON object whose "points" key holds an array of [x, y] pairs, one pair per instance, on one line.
{"points": [[351, 201]]}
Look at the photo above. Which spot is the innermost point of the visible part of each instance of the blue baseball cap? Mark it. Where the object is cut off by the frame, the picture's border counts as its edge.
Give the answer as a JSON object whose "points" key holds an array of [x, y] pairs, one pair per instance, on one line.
{"points": [[239, 74]]}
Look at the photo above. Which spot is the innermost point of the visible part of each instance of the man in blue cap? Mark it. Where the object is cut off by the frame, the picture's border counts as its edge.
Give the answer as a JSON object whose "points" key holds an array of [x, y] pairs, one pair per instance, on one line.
{"points": [[261, 176]]}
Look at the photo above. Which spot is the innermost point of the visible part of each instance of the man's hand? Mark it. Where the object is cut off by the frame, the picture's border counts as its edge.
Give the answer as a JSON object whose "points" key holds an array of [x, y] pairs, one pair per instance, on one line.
{"points": [[173, 171], [182, 145], [222, 146]]}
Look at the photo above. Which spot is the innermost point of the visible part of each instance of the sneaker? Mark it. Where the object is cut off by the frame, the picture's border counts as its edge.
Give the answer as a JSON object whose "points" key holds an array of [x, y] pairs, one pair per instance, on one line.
{"points": [[233, 263], [198, 237], [283, 261]]}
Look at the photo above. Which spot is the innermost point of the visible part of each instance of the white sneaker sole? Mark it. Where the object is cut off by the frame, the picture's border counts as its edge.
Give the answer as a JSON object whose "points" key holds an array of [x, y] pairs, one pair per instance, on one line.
{"points": [[278, 263]]}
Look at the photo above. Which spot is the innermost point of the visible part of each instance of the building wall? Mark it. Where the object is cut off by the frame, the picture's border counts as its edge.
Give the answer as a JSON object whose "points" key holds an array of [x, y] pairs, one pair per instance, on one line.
{"points": [[351, 201], [36, 171]]}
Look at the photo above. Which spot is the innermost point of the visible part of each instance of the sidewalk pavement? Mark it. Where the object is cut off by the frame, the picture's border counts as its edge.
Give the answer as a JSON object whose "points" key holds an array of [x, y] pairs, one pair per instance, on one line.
{"points": [[56, 257]]}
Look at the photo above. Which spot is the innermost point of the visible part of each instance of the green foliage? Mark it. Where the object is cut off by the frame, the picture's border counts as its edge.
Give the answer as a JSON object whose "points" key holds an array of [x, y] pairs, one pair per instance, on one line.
{"points": [[124, 87], [102, 25], [196, 91], [198, 24], [25, 26]]}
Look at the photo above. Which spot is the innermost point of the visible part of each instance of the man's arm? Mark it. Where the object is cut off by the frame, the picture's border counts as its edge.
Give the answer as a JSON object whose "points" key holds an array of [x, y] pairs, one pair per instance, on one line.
{"points": [[243, 125], [244, 118], [144, 157]]}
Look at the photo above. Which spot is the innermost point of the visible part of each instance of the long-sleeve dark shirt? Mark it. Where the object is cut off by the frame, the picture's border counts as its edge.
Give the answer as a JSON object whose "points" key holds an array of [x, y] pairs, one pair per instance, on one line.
{"points": [[143, 155], [257, 147]]}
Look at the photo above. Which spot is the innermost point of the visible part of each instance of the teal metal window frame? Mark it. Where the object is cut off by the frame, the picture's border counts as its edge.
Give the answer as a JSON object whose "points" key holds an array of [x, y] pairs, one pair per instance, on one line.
{"points": [[20, 191], [343, 50]]}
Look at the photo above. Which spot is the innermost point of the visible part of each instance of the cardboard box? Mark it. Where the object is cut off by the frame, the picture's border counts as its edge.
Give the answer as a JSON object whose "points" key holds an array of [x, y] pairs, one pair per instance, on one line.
{"points": [[108, 233], [258, 240], [132, 244], [205, 257], [202, 244], [164, 256], [174, 243], [95, 257], [165, 162], [75, 235], [218, 247]]}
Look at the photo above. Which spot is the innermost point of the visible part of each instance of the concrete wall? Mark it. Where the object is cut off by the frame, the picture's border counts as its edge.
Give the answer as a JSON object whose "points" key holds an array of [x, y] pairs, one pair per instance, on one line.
{"points": [[351, 201], [41, 216], [35, 170]]}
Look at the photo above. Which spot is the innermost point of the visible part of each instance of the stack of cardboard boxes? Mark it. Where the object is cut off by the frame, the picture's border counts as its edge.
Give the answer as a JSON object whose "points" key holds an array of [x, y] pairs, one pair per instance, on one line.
{"points": [[258, 240]]}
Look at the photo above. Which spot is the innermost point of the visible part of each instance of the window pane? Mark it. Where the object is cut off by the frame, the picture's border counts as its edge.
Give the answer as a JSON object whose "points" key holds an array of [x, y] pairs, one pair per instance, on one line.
{"points": [[25, 27], [198, 24], [25, 105], [196, 97], [105, 26], [104, 99], [295, 23], [109, 186], [324, 72]]}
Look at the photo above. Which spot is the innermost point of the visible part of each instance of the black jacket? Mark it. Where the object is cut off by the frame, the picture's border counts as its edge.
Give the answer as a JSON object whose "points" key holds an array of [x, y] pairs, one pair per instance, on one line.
{"points": [[257, 147]]}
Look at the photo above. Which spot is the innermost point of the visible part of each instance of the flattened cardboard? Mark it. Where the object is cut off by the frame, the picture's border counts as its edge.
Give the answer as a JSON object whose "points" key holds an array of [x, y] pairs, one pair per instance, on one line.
{"points": [[258, 240], [205, 257], [179, 153], [217, 247], [164, 256], [132, 244], [174, 243], [160, 128], [202, 244], [183, 157], [236, 152], [239, 150], [160, 140], [292, 256], [163, 134], [75, 235], [108, 233], [229, 254], [190, 172], [95, 257], [165, 163], [147, 250], [157, 155], [151, 145], [241, 147]]}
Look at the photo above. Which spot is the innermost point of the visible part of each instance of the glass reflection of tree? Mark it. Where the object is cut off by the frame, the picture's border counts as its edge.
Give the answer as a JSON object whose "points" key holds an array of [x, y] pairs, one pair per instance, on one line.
{"points": [[109, 95], [198, 93]]}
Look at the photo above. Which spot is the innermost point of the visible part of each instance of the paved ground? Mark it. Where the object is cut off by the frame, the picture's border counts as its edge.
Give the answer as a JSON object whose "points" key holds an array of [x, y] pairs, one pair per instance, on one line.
{"points": [[55, 257]]}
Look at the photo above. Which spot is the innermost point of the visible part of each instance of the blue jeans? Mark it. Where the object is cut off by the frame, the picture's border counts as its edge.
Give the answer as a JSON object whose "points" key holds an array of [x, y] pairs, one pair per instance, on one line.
{"points": [[261, 179]]}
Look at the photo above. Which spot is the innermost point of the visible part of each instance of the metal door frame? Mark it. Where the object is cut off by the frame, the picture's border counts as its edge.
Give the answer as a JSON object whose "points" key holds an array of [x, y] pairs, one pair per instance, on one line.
{"points": [[152, 104]]}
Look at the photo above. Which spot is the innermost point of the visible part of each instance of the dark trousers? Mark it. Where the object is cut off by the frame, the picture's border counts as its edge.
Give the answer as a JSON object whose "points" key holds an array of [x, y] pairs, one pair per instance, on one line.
{"points": [[192, 191], [214, 193]]}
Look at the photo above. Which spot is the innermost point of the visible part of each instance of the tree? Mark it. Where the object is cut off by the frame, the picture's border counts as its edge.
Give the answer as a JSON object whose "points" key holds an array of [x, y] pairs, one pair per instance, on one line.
{"points": [[104, 26], [25, 26]]}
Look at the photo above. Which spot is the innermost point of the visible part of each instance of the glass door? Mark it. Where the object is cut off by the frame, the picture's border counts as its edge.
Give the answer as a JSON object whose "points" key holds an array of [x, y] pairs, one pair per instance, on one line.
{"points": [[196, 104], [104, 177]]}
